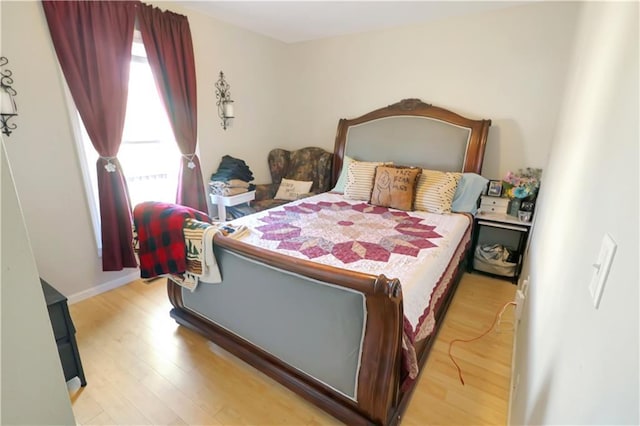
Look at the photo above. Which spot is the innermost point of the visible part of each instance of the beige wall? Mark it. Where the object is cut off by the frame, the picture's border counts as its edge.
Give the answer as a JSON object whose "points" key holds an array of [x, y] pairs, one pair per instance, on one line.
{"points": [[33, 389], [31, 377], [508, 65], [575, 364], [254, 66]]}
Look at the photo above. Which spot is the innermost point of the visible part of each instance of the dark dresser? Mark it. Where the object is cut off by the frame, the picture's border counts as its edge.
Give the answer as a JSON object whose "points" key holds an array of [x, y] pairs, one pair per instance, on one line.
{"points": [[64, 332]]}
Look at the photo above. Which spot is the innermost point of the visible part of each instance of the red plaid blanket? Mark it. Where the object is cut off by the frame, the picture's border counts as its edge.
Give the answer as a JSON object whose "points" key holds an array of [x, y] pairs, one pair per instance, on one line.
{"points": [[159, 228]]}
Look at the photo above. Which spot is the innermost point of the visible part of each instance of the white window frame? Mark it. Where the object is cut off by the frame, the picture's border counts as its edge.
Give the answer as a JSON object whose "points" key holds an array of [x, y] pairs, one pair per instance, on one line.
{"points": [[89, 179]]}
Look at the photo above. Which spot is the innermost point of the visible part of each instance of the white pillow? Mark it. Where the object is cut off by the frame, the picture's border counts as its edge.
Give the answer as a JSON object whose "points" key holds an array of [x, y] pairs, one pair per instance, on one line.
{"points": [[360, 176], [292, 189], [435, 191]]}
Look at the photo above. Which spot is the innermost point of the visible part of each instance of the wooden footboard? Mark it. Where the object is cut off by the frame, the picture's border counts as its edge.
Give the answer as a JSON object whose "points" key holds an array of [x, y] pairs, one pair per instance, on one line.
{"points": [[379, 375], [379, 400]]}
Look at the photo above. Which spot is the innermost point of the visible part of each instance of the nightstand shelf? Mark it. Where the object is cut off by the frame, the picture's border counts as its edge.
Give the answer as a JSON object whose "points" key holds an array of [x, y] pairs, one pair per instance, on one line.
{"points": [[500, 228], [64, 332]]}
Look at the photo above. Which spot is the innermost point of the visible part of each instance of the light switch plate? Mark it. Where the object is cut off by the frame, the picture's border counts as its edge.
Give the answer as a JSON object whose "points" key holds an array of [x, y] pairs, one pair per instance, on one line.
{"points": [[601, 268]]}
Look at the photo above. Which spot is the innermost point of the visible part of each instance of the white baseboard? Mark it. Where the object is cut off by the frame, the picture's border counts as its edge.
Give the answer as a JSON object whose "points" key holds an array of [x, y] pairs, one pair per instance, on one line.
{"points": [[110, 285]]}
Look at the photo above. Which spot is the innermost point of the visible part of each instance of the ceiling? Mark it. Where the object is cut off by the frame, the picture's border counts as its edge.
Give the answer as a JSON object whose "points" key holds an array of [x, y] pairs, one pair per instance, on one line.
{"points": [[296, 21]]}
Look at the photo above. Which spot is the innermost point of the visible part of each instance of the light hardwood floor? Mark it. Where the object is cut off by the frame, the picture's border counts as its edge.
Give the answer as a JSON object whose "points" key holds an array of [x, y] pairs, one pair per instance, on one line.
{"points": [[142, 368]]}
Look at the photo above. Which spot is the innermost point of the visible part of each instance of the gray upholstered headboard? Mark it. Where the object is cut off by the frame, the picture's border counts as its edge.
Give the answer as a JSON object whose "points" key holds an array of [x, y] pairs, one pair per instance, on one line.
{"points": [[412, 133]]}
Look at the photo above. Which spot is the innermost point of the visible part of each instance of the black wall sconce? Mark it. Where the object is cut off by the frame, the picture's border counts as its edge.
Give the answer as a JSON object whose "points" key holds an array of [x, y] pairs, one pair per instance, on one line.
{"points": [[224, 102], [8, 107]]}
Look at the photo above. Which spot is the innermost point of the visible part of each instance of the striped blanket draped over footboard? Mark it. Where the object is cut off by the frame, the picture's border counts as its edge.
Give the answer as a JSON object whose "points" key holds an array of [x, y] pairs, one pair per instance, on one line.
{"points": [[160, 236]]}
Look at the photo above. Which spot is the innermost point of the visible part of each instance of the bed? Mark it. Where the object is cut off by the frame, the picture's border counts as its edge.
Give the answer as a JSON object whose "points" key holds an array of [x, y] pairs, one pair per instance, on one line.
{"points": [[312, 310]]}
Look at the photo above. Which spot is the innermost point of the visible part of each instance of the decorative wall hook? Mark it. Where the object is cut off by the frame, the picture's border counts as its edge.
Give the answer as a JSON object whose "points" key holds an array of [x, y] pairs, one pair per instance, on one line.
{"points": [[224, 101], [8, 107]]}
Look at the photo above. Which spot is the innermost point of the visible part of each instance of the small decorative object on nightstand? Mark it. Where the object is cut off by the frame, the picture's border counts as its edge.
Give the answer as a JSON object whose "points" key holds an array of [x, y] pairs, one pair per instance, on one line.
{"points": [[495, 188], [526, 211], [489, 204], [64, 332], [514, 206], [520, 187]]}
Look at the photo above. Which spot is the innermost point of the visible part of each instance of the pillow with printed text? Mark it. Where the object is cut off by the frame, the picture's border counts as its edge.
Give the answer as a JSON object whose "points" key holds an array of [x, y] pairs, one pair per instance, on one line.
{"points": [[292, 189], [394, 186]]}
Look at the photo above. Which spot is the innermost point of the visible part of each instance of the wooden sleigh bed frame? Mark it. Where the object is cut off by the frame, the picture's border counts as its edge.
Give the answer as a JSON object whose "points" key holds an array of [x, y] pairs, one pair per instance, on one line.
{"points": [[379, 397]]}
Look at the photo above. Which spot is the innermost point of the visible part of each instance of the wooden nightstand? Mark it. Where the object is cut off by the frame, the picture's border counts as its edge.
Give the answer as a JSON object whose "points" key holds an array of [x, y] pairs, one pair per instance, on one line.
{"points": [[64, 332], [499, 228]]}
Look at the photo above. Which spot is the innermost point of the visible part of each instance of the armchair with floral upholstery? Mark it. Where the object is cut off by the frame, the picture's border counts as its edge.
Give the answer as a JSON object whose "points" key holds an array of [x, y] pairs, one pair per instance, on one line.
{"points": [[309, 164]]}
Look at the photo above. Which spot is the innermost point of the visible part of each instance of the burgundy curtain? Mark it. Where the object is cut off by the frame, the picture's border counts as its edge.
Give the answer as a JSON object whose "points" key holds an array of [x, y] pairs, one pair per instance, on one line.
{"points": [[93, 44], [167, 40]]}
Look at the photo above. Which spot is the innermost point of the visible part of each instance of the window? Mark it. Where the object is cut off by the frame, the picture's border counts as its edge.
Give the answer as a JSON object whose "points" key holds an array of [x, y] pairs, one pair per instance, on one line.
{"points": [[149, 154]]}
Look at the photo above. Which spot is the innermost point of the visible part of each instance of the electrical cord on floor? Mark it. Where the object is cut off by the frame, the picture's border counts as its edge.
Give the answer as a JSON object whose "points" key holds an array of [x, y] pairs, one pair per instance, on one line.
{"points": [[497, 319]]}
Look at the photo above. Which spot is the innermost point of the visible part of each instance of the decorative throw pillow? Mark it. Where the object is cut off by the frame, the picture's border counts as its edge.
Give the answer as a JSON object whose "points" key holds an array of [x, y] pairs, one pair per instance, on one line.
{"points": [[394, 186], [292, 189], [360, 180], [435, 191], [342, 179]]}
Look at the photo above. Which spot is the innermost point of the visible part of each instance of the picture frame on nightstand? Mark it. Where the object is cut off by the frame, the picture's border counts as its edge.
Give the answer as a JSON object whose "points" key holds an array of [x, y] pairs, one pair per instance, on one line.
{"points": [[495, 188]]}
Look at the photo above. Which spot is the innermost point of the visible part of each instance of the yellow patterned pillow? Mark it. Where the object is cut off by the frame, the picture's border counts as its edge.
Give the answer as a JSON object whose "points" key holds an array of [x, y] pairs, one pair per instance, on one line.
{"points": [[435, 191], [360, 180]]}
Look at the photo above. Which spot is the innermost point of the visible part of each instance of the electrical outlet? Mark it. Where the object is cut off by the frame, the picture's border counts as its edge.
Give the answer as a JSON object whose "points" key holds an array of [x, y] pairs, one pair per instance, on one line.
{"points": [[525, 284], [519, 304], [602, 267]]}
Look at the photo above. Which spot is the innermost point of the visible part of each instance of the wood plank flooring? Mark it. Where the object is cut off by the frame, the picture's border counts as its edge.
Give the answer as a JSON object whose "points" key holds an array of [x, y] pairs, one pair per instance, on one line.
{"points": [[142, 368]]}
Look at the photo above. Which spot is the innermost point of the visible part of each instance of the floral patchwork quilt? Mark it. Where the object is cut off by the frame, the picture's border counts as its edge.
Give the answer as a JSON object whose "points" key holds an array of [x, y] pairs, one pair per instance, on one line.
{"points": [[415, 247]]}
